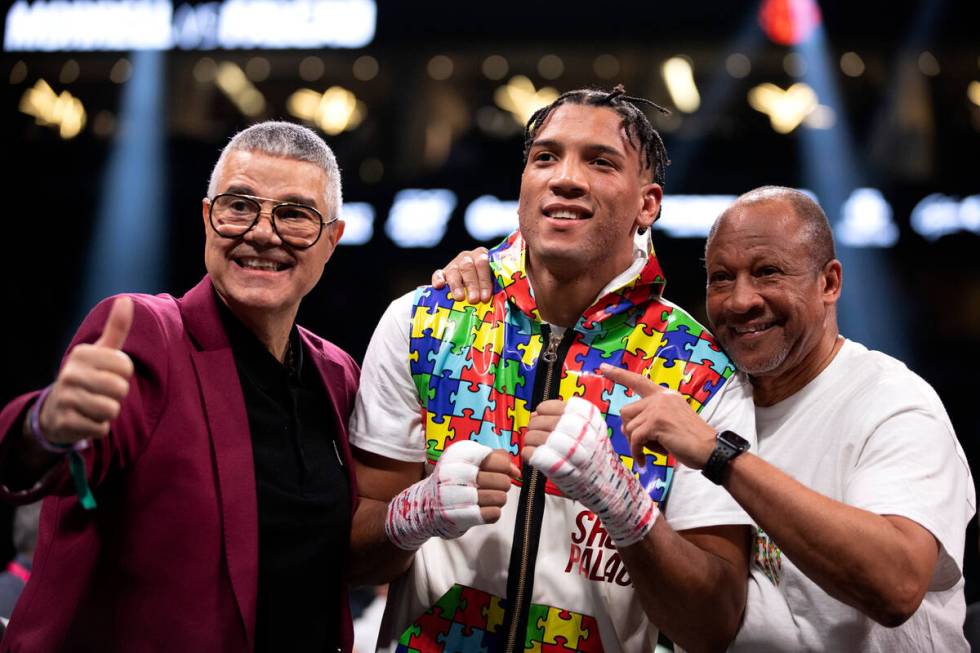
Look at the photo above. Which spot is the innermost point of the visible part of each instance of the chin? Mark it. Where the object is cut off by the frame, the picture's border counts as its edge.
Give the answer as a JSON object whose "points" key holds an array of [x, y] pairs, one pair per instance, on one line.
{"points": [[252, 300], [757, 364]]}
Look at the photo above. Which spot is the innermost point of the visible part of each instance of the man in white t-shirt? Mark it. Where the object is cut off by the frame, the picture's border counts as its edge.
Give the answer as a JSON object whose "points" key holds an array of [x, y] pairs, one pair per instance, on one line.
{"points": [[859, 487], [509, 530]]}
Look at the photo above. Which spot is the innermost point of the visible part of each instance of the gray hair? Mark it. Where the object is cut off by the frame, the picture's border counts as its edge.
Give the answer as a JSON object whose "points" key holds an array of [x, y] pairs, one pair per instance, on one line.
{"points": [[289, 141]]}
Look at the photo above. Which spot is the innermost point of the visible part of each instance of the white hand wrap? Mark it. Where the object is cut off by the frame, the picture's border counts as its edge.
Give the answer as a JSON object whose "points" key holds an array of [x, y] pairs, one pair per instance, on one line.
{"points": [[444, 504], [579, 459]]}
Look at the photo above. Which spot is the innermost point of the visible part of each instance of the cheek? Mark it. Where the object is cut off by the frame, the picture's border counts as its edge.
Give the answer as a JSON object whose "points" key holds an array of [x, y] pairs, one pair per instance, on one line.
{"points": [[712, 306], [314, 263]]}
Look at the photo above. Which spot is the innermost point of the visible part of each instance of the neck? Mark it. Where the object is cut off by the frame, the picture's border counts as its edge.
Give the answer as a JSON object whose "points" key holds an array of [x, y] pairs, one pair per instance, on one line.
{"points": [[768, 391], [272, 330], [562, 298]]}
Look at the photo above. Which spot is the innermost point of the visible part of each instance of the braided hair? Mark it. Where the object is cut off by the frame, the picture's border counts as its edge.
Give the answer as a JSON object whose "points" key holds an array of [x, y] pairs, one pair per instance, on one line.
{"points": [[639, 131]]}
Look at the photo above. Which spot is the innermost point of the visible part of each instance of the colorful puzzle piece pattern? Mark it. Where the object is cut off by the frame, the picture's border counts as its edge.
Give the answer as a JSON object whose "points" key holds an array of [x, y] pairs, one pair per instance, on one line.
{"points": [[468, 620], [474, 365], [768, 556]]}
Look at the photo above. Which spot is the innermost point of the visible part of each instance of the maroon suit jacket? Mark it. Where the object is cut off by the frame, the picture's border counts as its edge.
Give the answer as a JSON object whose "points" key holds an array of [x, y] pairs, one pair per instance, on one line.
{"points": [[168, 561]]}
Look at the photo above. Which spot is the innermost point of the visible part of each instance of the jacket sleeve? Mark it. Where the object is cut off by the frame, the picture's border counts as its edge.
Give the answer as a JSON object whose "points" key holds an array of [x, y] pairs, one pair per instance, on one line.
{"points": [[147, 346]]}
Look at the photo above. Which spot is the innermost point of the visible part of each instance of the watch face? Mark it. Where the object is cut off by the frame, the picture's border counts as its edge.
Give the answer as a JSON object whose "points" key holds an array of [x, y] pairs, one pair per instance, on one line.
{"points": [[734, 440]]}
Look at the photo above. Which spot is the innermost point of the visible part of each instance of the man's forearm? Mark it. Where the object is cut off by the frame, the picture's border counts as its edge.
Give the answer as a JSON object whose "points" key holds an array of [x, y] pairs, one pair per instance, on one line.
{"points": [[23, 462], [695, 596], [885, 576], [374, 560]]}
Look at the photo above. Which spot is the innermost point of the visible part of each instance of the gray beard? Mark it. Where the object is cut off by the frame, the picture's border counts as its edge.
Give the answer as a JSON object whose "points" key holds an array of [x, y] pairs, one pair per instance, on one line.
{"points": [[765, 366]]}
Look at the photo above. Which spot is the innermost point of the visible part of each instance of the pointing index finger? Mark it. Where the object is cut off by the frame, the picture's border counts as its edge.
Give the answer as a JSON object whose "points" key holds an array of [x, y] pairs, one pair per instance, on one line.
{"points": [[635, 382]]}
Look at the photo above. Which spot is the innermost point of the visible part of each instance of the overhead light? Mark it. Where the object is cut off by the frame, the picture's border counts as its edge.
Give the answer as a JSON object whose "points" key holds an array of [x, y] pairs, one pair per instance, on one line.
{"points": [[121, 71], [605, 66], [679, 77], [311, 68], [973, 92], [928, 64], [691, 216], [205, 70], [550, 66], [334, 111], [738, 65], [258, 69], [866, 220], [69, 72], [789, 22], [851, 64], [18, 72], [418, 218], [786, 109], [232, 81], [494, 67], [794, 64], [62, 110], [358, 220], [488, 218], [938, 215], [365, 68], [521, 99], [822, 117], [440, 67]]}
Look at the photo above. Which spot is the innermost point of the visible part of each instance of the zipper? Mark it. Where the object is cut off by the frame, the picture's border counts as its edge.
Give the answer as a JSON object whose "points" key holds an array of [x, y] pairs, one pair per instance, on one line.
{"points": [[516, 603]]}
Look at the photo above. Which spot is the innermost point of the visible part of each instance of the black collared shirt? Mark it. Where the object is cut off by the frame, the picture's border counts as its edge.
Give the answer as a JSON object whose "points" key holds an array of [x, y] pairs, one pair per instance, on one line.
{"points": [[303, 495]]}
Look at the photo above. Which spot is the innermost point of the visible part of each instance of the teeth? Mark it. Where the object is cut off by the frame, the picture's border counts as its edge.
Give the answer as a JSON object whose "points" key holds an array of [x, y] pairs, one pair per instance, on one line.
{"points": [[752, 329], [565, 215], [260, 264]]}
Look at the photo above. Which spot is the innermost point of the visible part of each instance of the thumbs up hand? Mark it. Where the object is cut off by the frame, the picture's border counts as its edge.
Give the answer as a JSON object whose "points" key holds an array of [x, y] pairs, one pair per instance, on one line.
{"points": [[88, 393]]}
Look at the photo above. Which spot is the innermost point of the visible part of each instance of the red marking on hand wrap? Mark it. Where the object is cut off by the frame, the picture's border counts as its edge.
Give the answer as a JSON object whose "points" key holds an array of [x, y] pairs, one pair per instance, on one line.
{"points": [[578, 440]]}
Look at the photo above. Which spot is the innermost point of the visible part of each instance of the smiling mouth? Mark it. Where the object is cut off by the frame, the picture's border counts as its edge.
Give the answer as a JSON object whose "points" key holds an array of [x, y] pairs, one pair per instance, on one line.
{"points": [[755, 328], [263, 265], [563, 214]]}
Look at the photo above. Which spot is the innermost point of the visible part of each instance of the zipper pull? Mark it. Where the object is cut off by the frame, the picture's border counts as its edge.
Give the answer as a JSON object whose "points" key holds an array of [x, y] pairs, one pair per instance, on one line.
{"points": [[337, 451], [551, 353]]}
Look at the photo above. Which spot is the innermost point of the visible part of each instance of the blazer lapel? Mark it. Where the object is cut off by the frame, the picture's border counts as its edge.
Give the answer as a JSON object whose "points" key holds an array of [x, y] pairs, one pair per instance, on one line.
{"points": [[332, 374], [231, 443]]}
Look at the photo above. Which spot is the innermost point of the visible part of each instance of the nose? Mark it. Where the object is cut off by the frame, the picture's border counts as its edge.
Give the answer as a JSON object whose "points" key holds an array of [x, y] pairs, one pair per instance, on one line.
{"points": [[569, 179], [263, 232], [744, 296]]}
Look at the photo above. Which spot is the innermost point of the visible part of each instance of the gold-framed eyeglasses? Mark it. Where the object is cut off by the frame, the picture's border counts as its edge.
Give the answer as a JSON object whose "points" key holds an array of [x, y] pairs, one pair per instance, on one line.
{"points": [[232, 215]]}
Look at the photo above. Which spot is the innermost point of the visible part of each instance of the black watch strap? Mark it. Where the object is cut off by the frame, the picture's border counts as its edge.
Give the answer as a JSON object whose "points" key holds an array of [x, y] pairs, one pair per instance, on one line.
{"points": [[728, 446]]}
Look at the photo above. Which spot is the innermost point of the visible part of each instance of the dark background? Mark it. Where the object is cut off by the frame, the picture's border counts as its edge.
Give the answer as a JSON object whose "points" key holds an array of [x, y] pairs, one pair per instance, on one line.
{"points": [[52, 187]]}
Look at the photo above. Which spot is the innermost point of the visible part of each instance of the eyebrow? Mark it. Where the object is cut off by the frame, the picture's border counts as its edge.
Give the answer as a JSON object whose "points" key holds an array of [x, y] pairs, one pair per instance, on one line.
{"points": [[290, 199], [599, 148]]}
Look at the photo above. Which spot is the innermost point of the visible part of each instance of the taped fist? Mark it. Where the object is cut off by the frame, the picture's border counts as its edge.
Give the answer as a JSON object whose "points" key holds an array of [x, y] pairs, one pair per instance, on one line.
{"points": [[467, 488], [569, 443]]}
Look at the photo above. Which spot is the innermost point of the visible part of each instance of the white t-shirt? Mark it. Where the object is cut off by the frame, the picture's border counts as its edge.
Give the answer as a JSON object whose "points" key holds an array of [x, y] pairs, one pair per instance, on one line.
{"points": [[572, 546], [872, 434]]}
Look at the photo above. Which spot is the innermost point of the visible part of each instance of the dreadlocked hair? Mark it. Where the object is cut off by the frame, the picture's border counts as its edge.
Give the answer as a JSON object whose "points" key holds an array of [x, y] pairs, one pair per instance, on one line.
{"points": [[639, 131]]}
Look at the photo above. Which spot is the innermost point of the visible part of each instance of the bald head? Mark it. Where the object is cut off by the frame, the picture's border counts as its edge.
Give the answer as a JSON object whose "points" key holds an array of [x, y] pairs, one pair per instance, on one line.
{"points": [[814, 229], [773, 286]]}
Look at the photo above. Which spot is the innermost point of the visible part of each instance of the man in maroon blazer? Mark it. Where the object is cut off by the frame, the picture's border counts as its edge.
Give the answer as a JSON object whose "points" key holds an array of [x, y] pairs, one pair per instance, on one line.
{"points": [[194, 450]]}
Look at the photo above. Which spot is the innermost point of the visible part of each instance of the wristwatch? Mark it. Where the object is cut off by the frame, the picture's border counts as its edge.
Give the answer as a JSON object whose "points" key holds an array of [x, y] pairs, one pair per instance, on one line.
{"points": [[728, 446]]}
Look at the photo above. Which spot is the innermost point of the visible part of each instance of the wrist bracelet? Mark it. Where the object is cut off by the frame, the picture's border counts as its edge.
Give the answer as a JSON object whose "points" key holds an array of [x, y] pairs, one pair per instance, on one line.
{"points": [[34, 426], [75, 463]]}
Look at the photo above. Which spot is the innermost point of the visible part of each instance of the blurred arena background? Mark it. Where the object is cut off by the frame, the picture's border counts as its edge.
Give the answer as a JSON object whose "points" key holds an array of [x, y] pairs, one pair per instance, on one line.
{"points": [[114, 113]]}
